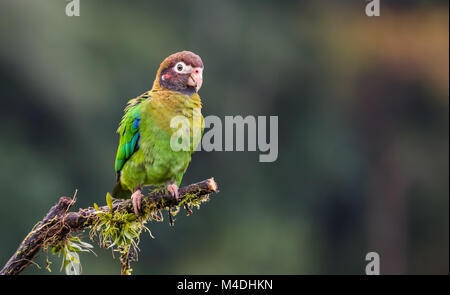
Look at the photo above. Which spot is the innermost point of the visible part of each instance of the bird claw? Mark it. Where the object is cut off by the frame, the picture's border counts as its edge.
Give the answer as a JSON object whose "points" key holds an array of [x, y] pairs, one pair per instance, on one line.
{"points": [[136, 198], [173, 190]]}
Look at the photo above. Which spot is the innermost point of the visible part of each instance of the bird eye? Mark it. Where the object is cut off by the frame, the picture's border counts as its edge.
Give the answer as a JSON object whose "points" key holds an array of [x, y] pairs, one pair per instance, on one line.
{"points": [[179, 67]]}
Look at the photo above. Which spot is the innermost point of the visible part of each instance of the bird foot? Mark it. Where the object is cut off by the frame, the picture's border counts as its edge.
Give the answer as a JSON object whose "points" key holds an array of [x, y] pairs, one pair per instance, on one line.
{"points": [[173, 190], [136, 198]]}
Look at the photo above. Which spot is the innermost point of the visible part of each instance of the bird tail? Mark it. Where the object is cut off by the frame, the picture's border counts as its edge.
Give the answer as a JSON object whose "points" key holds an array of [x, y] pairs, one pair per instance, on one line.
{"points": [[119, 192]]}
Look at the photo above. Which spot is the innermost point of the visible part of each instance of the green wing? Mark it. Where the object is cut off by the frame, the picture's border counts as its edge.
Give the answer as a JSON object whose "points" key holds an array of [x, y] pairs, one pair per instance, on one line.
{"points": [[129, 132]]}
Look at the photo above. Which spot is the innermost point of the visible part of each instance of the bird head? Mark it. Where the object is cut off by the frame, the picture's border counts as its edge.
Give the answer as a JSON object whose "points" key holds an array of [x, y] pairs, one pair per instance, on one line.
{"points": [[182, 72]]}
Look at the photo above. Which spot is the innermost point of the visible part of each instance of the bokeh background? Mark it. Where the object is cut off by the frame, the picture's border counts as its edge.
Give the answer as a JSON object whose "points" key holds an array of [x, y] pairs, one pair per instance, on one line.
{"points": [[363, 107]]}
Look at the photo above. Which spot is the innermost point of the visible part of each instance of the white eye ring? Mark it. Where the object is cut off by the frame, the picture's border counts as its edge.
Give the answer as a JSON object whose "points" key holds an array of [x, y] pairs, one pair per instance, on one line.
{"points": [[180, 67]]}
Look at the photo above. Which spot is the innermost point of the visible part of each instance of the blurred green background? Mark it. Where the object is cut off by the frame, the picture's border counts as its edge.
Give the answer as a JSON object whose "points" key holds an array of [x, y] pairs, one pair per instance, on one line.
{"points": [[363, 107]]}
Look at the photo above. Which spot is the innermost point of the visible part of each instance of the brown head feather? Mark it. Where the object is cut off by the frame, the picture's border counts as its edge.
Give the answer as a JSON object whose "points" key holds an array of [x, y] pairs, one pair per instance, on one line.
{"points": [[189, 58]]}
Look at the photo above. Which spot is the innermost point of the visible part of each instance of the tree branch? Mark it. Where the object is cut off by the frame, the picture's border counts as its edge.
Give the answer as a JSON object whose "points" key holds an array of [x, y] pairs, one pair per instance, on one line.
{"points": [[59, 223]]}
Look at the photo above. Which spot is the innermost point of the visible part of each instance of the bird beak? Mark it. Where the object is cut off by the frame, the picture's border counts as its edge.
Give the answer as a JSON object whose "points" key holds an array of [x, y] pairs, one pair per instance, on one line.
{"points": [[196, 78]]}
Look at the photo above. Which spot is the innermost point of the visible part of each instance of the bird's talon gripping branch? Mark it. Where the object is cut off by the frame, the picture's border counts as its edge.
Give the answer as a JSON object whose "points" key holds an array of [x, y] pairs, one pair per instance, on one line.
{"points": [[173, 190], [136, 198]]}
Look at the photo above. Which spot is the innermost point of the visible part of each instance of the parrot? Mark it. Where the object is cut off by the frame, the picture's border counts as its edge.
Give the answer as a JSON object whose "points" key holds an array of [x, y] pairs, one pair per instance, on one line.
{"points": [[145, 156]]}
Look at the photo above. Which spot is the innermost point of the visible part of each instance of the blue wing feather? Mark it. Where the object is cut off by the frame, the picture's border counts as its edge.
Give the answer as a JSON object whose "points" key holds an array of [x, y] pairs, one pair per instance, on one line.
{"points": [[129, 137]]}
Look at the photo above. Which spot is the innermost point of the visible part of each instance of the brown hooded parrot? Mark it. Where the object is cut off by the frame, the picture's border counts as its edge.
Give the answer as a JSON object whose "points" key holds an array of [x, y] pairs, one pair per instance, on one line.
{"points": [[145, 156]]}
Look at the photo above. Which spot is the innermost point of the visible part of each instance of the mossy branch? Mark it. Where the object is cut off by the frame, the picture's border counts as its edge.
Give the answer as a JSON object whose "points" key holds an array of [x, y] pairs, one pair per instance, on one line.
{"points": [[56, 227]]}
